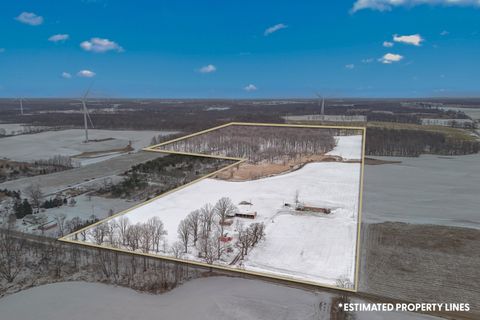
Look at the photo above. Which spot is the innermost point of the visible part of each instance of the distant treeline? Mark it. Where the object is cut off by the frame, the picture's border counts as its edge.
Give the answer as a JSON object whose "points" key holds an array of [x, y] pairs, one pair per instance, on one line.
{"points": [[195, 115], [412, 143]]}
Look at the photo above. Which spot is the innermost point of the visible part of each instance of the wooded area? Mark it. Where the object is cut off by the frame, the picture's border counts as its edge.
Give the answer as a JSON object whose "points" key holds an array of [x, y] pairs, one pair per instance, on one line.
{"points": [[258, 143], [26, 260], [412, 143]]}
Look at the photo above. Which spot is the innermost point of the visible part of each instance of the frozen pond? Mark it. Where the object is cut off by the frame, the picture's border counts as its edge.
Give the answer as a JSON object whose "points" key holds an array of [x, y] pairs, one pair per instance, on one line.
{"points": [[430, 189]]}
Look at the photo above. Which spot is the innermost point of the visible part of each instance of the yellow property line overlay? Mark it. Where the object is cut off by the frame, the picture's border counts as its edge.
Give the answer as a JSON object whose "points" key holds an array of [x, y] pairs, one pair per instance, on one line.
{"points": [[238, 161]]}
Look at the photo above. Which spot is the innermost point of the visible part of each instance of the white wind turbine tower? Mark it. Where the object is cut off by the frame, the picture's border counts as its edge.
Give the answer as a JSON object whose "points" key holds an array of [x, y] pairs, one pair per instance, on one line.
{"points": [[86, 115], [321, 102], [21, 100]]}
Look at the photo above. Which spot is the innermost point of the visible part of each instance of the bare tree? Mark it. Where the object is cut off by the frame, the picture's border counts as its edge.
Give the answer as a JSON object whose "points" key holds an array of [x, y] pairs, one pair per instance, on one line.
{"points": [[256, 232], [112, 233], [219, 246], [344, 282], [207, 248], [146, 237], [99, 233], [224, 208], [158, 232], [177, 250], [123, 224], [193, 220], [184, 234], [296, 197], [207, 218], [60, 220], [11, 256], [34, 192], [132, 236], [243, 239]]}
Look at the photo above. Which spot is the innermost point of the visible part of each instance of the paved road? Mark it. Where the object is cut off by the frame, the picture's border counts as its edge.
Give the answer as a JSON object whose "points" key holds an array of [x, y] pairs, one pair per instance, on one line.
{"points": [[55, 182]]}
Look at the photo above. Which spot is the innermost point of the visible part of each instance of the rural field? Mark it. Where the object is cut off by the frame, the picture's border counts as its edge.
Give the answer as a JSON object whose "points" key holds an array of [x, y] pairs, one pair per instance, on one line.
{"points": [[105, 144]]}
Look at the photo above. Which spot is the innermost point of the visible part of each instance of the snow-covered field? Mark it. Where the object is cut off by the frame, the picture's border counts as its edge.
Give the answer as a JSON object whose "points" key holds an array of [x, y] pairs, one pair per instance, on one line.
{"points": [[348, 147], [429, 189], [17, 128], [216, 298], [306, 246], [47, 144]]}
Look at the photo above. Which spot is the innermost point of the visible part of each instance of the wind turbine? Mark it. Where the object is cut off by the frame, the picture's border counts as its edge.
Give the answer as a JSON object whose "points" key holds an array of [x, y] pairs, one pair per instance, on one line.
{"points": [[321, 102], [86, 115], [21, 104]]}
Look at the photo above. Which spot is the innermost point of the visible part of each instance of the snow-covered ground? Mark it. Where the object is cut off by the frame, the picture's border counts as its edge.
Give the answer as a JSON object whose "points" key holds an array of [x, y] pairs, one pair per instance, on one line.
{"points": [[307, 248], [17, 128], [318, 248], [216, 298], [348, 147], [47, 144]]}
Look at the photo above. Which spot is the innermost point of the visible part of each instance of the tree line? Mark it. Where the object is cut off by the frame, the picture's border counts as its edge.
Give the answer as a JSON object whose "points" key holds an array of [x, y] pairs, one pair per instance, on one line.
{"points": [[26, 259], [412, 143]]}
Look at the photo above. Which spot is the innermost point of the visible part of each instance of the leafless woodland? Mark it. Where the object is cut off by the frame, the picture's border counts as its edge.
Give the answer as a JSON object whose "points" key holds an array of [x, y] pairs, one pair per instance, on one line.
{"points": [[259, 143], [28, 260]]}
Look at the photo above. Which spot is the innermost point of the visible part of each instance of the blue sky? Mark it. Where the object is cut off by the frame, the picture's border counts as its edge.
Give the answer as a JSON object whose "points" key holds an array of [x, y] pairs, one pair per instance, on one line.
{"points": [[239, 49]]}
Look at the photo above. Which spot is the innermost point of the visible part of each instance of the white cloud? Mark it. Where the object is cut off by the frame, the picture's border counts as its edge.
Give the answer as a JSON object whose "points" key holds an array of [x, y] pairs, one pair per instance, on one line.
{"points": [[386, 5], [250, 88], [100, 45], [67, 75], [274, 28], [367, 60], [387, 44], [349, 66], [414, 39], [86, 74], [59, 37], [29, 18], [390, 58], [207, 69], [444, 33]]}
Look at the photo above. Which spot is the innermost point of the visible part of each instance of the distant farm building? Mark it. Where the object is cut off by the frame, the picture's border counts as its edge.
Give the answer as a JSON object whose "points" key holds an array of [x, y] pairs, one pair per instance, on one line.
{"points": [[328, 118], [457, 123]]}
